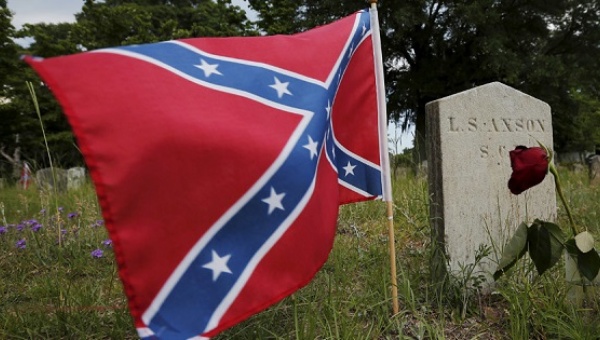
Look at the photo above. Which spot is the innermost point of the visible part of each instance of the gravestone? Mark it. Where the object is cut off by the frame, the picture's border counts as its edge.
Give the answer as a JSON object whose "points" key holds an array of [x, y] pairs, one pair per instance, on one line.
{"points": [[469, 137], [576, 293], [75, 177], [46, 179]]}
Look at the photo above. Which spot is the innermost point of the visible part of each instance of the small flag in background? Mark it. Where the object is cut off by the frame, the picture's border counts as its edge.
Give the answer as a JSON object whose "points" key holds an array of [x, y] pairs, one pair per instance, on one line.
{"points": [[25, 178], [220, 163]]}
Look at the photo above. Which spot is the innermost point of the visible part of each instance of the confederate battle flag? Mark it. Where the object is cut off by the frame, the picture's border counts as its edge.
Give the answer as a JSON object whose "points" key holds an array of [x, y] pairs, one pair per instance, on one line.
{"points": [[220, 163]]}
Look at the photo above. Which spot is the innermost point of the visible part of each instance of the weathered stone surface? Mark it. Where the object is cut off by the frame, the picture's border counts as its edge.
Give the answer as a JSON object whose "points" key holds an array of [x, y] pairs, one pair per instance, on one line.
{"points": [[469, 137], [594, 169], [46, 180], [576, 293], [75, 177]]}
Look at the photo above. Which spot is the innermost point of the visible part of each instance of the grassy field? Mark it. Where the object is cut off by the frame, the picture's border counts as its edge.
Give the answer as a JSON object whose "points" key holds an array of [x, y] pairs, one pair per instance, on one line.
{"points": [[58, 279]]}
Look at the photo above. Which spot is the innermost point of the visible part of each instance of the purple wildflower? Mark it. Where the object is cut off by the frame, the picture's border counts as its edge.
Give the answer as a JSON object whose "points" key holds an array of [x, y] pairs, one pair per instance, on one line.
{"points": [[107, 243], [21, 244], [98, 223], [63, 231], [36, 226], [60, 209], [20, 227], [43, 212], [3, 230], [97, 253], [72, 215]]}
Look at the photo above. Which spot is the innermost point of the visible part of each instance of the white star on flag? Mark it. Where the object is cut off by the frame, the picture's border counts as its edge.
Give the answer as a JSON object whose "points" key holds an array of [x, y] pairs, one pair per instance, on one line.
{"points": [[349, 169], [280, 87], [218, 265], [311, 146], [208, 69], [274, 200]]}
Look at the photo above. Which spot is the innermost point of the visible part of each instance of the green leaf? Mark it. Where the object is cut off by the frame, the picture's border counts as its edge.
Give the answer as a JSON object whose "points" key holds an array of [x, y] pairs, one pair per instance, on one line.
{"points": [[545, 241], [513, 251], [584, 241], [589, 264], [571, 248]]}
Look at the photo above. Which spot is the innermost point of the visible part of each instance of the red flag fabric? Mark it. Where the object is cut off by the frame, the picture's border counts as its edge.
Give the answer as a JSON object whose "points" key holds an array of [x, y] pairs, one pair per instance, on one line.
{"points": [[219, 163]]}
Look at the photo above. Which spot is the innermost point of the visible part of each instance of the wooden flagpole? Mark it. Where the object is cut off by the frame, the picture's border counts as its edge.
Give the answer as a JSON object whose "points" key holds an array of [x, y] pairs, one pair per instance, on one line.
{"points": [[390, 217], [385, 164]]}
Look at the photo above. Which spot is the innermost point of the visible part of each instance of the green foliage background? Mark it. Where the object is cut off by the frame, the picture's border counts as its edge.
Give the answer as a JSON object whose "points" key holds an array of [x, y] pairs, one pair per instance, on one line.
{"points": [[546, 48]]}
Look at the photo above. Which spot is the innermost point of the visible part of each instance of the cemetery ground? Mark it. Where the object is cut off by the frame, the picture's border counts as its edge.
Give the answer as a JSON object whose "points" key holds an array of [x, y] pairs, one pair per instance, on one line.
{"points": [[58, 278]]}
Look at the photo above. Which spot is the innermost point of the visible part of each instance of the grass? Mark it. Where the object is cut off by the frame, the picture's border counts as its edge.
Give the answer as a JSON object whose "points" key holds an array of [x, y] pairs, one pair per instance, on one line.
{"points": [[52, 290]]}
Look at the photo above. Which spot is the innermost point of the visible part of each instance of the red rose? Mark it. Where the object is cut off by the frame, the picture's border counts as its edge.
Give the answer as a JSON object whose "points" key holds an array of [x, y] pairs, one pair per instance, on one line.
{"points": [[530, 166]]}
